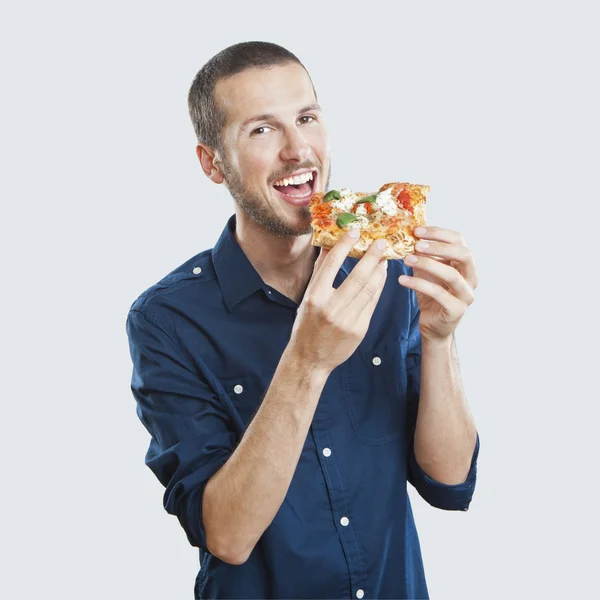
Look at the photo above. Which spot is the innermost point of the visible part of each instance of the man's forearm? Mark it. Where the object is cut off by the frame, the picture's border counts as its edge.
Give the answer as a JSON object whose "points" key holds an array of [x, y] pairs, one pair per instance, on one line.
{"points": [[243, 497], [445, 434]]}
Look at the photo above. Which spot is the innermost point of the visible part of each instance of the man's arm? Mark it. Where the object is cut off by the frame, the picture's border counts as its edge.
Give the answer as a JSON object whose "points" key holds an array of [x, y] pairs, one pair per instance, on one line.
{"points": [[445, 445], [242, 498], [445, 433]]}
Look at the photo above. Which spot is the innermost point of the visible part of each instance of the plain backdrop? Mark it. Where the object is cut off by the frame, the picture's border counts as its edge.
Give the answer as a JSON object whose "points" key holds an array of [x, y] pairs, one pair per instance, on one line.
{"points": [[494, 105]]}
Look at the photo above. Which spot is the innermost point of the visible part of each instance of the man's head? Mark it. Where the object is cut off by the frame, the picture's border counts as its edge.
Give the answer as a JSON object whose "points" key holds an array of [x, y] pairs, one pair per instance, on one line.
{"points": [[257, 120]]}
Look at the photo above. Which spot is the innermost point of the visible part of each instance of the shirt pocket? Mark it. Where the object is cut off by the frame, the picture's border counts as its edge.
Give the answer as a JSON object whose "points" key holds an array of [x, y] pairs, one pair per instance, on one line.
{"points": [[374, 383]]}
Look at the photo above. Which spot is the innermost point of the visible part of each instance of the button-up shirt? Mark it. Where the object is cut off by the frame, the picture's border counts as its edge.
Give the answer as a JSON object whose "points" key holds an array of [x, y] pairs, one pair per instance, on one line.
{"points": [[205, 342]]}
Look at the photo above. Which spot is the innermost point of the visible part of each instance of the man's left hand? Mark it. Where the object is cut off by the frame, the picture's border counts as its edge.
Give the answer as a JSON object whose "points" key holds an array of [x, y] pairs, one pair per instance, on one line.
{"points": [[444, 280]]}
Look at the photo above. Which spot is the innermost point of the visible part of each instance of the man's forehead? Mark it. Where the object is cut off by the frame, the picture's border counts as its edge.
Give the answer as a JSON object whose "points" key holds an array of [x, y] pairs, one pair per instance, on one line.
{"points": [[274, 90]]}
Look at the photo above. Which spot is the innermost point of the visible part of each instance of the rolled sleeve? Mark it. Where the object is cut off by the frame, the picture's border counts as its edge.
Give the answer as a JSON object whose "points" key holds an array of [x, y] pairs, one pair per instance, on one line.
{"points": [[191, 437], [441, 495], [435, 493]]}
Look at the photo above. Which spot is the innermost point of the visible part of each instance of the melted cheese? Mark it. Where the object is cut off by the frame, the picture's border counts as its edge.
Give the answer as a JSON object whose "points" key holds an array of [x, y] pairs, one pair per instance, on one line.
{"points": [[360, 222], [347, 200], [387, 202]]}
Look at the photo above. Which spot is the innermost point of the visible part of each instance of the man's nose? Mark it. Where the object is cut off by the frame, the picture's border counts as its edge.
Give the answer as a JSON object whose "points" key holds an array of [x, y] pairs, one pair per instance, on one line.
{"points": [[296, 147]]}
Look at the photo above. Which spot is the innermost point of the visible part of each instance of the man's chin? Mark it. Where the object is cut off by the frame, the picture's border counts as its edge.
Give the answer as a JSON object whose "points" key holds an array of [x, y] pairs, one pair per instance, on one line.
{"points": [[303, 222], [297, 229], [280, 226]]}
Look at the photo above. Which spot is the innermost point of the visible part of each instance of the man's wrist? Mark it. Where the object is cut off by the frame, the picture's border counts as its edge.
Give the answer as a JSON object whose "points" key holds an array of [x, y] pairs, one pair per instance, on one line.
{"points": [[437, 344], [300, 364]]}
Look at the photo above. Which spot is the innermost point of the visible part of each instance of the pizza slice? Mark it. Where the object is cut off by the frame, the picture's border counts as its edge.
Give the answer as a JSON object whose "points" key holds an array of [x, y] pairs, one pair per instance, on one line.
{"points": [[392, 213]]}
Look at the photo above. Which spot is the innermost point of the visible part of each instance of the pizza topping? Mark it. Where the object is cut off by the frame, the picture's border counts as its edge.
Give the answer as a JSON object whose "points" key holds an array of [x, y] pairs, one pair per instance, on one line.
{"points": [[361, 222], [405, 200], [387, 202], [331, 195], [392, 213], [368, 199], [393, 206], [345, 219], [346, 201], [363, 209], [321, 210]]}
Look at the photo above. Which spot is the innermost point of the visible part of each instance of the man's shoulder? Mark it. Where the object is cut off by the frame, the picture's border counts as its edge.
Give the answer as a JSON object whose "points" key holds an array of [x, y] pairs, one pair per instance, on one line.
{"points": [[196, 273]]}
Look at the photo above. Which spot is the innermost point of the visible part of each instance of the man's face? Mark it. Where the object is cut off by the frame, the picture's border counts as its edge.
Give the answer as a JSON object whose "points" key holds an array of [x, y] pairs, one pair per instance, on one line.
{"points": [[274, 129]]}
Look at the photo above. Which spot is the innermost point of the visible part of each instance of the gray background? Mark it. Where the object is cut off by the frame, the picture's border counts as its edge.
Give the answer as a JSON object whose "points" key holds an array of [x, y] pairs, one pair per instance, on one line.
{"points": [[494, 106]]}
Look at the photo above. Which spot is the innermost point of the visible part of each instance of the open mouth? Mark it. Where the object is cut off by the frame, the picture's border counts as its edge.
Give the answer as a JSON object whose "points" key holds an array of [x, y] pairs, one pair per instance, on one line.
{"points": [[298, 189]]}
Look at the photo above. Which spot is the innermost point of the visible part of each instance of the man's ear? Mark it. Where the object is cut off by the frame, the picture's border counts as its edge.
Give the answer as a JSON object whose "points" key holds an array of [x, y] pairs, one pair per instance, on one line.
{"points": [[210, 163]]}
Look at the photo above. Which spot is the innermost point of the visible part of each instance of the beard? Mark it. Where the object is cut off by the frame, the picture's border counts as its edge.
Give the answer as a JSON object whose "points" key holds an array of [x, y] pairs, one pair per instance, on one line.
{"points": [[262, 213]]}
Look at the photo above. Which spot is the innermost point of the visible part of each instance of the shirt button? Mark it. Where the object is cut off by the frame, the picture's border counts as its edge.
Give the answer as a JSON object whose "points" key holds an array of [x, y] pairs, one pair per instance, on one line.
{"points": [[197, 270], [326, 452], [344, 521], [376, 361], [360, 593], [238, 389]]}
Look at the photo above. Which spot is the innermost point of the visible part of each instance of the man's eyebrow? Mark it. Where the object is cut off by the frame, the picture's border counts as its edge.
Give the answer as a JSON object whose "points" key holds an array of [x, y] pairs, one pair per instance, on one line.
{"points": [[309, 108], [268, 116]]}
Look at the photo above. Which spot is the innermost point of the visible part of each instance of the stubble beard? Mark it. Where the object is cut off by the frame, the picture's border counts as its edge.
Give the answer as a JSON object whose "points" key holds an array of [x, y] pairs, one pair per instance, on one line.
{"points": [[260, 212]]}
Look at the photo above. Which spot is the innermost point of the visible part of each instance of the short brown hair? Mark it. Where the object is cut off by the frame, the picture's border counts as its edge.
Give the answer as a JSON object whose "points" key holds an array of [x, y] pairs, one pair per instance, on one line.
{"points": [[208, 119]]}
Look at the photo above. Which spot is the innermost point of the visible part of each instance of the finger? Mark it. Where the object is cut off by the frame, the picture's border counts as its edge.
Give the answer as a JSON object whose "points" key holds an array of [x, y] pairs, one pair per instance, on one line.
{"points": [[334, 259], [440, 234], [360, 274], [451, 252], [369, 293], [319, 262], [444, 273], [453, 307], [367, 312]]}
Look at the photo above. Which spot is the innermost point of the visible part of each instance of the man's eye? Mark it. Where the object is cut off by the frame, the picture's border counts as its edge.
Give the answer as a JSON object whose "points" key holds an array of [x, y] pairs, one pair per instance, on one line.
{"points": [[307, 117], [259, 130]]}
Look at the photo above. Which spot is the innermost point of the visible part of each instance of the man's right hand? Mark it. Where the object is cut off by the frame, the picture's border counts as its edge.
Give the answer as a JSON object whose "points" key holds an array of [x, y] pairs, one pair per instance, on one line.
{"points": [[331, 323]]}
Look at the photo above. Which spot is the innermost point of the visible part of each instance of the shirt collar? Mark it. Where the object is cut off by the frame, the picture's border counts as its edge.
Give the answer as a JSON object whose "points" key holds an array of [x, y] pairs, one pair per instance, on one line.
{"points": [[237, 277]]}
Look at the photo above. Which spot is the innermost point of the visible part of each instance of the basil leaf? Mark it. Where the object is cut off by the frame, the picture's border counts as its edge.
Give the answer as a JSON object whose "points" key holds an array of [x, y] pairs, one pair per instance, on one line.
{"points": [[367, 199], [345, 219], [331, 195]]}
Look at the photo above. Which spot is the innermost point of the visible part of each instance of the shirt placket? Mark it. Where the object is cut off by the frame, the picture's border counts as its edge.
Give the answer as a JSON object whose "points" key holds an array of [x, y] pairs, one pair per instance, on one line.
{"points": [[346, 522]]}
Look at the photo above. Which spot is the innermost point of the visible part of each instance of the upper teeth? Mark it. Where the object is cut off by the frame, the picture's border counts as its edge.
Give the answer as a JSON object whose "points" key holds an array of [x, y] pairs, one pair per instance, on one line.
{"points": [[297, 180]]}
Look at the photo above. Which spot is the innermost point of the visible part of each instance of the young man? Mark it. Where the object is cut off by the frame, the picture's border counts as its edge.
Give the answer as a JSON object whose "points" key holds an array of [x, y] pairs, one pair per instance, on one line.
{"points": [[291, 393]]}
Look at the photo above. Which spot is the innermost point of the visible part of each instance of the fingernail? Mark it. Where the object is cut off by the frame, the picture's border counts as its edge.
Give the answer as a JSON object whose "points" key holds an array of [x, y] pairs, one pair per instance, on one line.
{"points": [[354, 233], [422, 245], [420, 230], [411, 258], [381, 244]]}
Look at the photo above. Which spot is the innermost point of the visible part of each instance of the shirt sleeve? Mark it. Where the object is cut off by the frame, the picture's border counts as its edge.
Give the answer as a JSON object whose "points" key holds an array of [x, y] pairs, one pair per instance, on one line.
{"points": [[439, 495], [191, 437]]}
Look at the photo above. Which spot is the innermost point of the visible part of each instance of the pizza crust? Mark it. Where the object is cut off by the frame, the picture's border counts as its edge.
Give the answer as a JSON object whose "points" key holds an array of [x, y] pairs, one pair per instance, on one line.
{"points": [[395, 250]]}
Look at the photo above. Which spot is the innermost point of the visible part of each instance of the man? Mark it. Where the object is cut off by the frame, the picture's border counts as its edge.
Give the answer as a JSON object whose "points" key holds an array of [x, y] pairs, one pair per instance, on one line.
{"points": [[290, 392]]}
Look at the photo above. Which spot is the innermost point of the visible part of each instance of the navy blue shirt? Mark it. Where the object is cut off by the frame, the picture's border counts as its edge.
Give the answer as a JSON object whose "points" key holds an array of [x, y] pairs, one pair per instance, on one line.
{"points": [[205, 342]]}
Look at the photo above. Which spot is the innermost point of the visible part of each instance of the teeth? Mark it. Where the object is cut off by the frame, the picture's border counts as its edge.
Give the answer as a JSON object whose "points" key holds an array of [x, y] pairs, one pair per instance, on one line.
{"points": [[297, 180]]}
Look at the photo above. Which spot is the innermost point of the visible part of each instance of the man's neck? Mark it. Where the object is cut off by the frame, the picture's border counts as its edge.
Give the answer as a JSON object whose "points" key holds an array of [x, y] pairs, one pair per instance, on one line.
{"points": [[285, 264]]}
